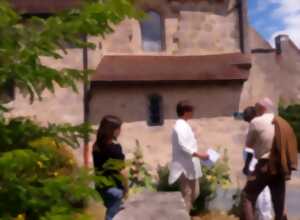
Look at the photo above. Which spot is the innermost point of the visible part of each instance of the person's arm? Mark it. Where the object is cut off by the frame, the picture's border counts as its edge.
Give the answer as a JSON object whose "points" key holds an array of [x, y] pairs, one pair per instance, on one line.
{"points": [[125, 182], [186, 140], [202, 156], [248, 159], [251, 136], [250, 140]]}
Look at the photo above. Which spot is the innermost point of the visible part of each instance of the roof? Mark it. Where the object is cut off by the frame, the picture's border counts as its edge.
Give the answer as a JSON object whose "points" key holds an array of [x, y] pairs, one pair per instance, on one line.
{"points": [[157, 68], [43, 6]]}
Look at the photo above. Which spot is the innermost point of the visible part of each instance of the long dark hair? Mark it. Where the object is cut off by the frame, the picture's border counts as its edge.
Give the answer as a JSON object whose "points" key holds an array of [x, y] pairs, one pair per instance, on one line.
{"points": [[108, 125]]}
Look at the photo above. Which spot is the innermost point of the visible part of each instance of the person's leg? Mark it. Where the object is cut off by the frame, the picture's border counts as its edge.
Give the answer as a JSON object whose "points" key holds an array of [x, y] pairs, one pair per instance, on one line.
{"points": [[253, 188], [113, 201], [277, 187], [195, 189], [186, 191]]}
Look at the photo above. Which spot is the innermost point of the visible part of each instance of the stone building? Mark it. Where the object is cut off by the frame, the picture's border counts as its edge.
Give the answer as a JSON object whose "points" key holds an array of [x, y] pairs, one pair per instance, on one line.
{"points": [[200, 50]]}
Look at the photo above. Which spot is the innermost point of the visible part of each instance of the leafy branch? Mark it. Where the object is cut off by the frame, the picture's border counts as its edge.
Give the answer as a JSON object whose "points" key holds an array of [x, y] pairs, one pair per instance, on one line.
{"points": [[24, 42]]}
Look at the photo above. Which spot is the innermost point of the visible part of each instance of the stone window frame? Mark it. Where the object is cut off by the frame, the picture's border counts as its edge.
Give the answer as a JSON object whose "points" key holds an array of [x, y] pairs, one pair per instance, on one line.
{"points": [[162, 27], [152, 100]]}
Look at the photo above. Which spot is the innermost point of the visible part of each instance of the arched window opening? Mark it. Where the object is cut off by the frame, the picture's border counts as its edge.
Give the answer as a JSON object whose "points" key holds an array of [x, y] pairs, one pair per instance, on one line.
{"points": [[152, 32]]}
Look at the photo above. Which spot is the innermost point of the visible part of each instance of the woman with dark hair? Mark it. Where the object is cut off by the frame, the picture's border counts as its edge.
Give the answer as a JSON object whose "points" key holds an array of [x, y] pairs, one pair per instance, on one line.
{"points": [[107, 148]]}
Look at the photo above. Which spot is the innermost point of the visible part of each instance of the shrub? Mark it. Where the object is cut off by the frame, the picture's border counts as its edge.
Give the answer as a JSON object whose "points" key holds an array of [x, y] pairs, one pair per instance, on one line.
{"points": [[236, 208], [292, 114], [163, 180], [43, 182], [139, 177], [214, 177]]}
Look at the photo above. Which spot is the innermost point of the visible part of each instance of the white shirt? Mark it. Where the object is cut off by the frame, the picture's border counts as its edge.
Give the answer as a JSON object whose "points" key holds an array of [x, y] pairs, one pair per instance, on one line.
{"points": [[261, 135], [184, 145]]}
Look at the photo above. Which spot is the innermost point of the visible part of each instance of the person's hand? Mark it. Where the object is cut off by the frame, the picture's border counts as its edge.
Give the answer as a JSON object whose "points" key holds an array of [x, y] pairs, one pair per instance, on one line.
{"points": [[202, 156], [246, 171]]}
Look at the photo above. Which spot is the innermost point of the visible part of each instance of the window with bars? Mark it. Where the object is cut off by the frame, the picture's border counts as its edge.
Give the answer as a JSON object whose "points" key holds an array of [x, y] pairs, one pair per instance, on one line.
{"points": [[155, 110]]}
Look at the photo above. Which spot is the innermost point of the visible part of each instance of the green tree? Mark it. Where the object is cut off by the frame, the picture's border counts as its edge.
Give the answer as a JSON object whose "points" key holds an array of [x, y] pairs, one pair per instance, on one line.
{"points": [[37, 180], [292, 114]]}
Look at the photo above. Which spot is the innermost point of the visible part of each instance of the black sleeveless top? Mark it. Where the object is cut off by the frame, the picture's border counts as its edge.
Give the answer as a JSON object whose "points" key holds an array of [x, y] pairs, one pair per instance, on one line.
{"points": [[101, 156]]}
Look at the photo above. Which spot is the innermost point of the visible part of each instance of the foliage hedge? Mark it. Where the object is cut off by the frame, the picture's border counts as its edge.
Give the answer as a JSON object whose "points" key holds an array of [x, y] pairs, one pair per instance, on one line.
{"points": [[42, 181], [292, 114], [38, 178]]}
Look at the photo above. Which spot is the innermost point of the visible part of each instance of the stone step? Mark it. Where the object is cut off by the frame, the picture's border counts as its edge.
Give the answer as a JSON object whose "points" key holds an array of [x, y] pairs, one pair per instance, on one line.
{"points": [[154, 206]]}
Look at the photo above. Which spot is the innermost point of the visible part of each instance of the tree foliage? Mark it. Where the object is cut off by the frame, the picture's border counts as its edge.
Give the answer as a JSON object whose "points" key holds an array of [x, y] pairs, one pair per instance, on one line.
{"points": [[292, 114], [38, 177], [24, 42]]}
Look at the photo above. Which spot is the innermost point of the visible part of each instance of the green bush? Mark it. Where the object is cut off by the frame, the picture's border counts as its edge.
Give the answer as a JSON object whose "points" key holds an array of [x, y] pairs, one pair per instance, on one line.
{"points": [[292, 114], [38, 178], [43, 182], [214, 177], [163, 180]]}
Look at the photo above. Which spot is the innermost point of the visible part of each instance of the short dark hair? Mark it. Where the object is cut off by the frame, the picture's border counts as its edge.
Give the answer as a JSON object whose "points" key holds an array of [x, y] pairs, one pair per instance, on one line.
{"points": [[249, 113], [183, 107]]}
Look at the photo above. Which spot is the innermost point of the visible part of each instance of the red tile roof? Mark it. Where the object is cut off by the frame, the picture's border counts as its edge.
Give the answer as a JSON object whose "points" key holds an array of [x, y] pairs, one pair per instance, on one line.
{"points": [[43, 6], [152, 68]]}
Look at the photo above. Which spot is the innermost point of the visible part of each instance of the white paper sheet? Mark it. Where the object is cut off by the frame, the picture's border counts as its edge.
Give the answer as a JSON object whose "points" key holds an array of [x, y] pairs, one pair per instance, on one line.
{"points": [[213, 155]]}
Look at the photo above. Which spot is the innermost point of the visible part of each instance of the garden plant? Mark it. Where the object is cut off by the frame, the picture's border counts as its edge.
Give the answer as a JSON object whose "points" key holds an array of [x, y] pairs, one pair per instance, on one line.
{"points": [[39, 178]]}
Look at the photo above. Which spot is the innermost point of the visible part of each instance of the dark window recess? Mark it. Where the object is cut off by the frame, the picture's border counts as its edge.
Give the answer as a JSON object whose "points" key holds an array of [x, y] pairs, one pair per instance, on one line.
{"points": [[7, 92], [155, 110]]}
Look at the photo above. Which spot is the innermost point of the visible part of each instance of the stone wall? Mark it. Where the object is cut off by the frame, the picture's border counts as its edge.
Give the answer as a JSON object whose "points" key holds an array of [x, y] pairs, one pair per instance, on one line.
{"points": [[207, 28], [190, 27], [213, 123], [131, 102], [273, 75]]}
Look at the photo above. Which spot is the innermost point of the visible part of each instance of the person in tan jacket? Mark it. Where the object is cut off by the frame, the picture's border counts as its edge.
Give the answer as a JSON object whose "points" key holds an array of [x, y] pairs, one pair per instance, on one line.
{"points": [[274, 143]]}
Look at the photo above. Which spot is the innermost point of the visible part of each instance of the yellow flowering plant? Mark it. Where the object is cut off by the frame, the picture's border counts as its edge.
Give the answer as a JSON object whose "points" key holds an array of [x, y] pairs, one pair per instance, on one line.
{"points": [[217, 176], [214, 177]]}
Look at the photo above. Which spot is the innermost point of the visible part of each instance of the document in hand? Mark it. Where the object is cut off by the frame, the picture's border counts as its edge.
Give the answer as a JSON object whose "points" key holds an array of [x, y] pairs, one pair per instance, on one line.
{"points": [[213, 155]]}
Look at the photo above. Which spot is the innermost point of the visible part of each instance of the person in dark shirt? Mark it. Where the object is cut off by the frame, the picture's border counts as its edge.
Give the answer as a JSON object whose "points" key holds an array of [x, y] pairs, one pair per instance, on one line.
{"points": [[105, 150]]}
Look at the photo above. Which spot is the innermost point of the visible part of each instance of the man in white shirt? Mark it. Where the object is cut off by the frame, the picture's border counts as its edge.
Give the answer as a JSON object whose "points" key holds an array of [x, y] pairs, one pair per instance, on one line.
{"points": [[263, 208], [185, 165]]}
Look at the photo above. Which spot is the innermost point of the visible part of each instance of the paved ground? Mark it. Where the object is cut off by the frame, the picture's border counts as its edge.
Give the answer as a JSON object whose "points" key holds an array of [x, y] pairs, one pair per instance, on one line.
{"points": [[154, 206], [293, 195]]}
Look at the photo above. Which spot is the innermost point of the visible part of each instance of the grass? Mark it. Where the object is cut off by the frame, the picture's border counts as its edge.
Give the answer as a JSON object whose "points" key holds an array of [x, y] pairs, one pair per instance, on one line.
{"points": [[214, 216]]}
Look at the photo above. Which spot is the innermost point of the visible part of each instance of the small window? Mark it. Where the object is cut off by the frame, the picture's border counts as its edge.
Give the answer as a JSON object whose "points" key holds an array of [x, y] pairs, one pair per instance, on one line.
{"points": [[155, 110], [152, 29], [7, 92]]}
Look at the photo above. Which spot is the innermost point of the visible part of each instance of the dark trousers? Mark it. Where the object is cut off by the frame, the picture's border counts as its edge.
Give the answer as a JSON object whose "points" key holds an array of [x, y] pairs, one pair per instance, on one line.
{"points": [[112, 198], [255, 185]]}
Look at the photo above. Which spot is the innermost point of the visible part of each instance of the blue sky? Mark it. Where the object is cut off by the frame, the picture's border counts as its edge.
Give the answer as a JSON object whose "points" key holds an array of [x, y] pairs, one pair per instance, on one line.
{"points": [[273, 17]]}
